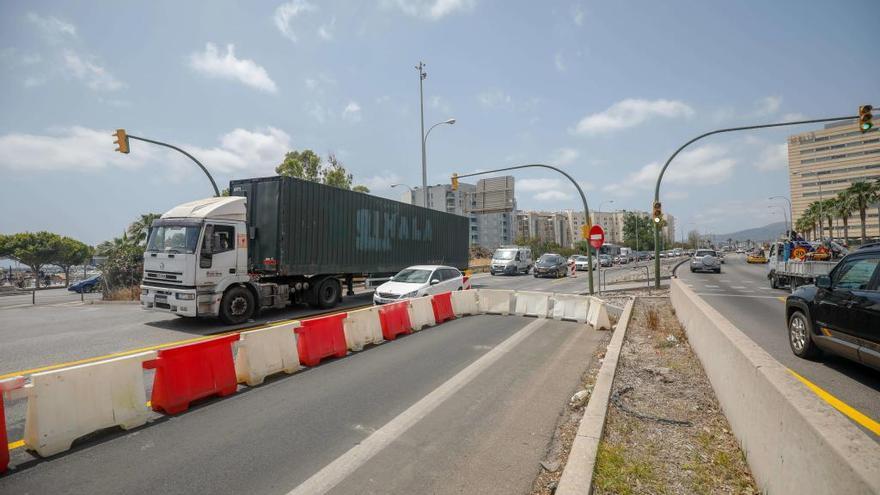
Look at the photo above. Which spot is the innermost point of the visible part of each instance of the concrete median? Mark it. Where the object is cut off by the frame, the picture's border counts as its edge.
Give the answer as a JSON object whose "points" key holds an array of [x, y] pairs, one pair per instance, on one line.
{"points": [[570, 307], [493, 301], [793, 441], [532, 304]]}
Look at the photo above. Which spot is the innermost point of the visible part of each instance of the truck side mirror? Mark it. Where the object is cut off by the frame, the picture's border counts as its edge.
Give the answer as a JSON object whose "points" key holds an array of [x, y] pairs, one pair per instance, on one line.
{"points": [[823, 282]]}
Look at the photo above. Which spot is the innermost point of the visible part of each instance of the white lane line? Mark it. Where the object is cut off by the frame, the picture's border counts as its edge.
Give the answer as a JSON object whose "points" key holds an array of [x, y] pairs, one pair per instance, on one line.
{"points": [[715, 294], [712, 286], [332, 474], [737, 287]]}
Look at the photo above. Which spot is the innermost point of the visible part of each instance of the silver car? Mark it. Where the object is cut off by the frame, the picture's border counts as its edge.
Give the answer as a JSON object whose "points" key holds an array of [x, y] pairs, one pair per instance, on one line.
{"points": [[705, 260]]}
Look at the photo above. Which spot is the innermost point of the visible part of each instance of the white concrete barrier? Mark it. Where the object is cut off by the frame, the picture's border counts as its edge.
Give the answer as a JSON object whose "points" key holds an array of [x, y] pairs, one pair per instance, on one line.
{"points": [[464, 302], [495, 301], [597, 315], [570, 307], [793, 441], [265, 352], [532, 304], [68, 403], [421, 313], [362, 327]]}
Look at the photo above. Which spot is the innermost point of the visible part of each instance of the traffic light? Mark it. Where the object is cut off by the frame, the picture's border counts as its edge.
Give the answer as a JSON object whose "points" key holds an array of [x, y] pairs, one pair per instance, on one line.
{"points": [[455, 182], [121, 141], [657, 215], [865, 118]]}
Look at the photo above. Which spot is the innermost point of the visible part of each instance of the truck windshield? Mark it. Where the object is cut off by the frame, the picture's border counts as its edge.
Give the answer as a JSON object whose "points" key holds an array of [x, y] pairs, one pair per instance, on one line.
{"points": [[412, 276], [504, 254], [173, 239]]}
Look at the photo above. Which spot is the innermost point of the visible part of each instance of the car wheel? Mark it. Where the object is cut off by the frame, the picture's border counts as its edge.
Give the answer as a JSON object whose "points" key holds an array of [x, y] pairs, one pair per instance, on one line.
{"points": [[800, 336], [237, 306], [536, 275], [718, 270], [692, 270], [491, 273]]}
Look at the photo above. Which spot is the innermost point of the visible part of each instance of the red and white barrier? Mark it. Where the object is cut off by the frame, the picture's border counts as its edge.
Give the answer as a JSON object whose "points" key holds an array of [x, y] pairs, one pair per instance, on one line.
{"points": [[442, 305], [265, 352], [572, 269], [532, 304], [6, 388], [395, 320], [362, 327], [464, 302], [68, 403], [421, 313]]}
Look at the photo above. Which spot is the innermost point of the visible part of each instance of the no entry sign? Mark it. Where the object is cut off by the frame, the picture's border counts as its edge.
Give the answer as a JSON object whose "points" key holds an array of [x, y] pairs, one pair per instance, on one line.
{"points": [[597, 236]]}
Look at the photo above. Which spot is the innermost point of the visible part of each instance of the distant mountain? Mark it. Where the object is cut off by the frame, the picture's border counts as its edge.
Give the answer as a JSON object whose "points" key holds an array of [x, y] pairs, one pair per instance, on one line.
{"points": [[765, 233]]}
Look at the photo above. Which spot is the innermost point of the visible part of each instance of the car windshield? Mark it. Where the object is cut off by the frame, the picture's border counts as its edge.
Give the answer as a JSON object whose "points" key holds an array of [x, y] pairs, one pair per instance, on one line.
{"points": [[412, 276], [547, 258], [504, 254], [581, 258], [173, 239], [705, 252]]}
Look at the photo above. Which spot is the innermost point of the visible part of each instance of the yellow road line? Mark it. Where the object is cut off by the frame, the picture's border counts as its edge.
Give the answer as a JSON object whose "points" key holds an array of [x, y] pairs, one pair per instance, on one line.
{"points": [[841, 406], [167, 344], [16, 445], [781, 298]]}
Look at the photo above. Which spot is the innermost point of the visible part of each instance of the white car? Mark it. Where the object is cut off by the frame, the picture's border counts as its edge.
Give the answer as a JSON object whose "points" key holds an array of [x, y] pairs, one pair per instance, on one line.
{"points": [[581, 262], [418, 281]]}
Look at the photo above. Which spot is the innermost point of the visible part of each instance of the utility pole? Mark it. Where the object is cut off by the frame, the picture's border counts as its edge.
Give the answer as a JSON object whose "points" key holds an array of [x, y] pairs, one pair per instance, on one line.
{"points": [[422, 76]]}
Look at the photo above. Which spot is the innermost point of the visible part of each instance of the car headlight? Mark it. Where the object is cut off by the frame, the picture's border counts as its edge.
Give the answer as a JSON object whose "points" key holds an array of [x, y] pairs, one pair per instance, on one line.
{"points": [[414, 293], [185, 297]]}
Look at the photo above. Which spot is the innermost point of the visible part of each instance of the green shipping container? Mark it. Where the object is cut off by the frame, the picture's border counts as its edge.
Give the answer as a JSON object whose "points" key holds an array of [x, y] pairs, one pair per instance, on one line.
{"points": [[298, 227]]}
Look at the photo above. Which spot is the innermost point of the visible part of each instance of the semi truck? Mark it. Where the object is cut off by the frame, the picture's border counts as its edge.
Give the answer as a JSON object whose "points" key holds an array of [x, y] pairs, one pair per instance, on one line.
{"points": [[277, 241]]}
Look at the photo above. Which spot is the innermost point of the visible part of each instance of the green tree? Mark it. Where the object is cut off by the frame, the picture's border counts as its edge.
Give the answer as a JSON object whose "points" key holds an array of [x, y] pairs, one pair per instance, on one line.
{"points": [[334, 173], [361, 189], [32, 249], [139, 229], [304, 165], [638, 232], [863, 194], [70, 252], [843, 209]]}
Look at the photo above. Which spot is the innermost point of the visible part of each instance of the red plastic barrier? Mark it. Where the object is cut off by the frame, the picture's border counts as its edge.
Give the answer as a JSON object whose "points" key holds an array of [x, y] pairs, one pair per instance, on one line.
{"points": [[442, 304], [4, 440], [319, 338], [191, 372], [394, 319]]}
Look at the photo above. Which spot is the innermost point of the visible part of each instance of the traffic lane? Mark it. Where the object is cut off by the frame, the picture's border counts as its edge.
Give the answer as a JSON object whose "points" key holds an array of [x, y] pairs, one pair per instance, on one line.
{"points": [[271, 438], [40, 336], [503, 423], [47, 296], [743, 295]]}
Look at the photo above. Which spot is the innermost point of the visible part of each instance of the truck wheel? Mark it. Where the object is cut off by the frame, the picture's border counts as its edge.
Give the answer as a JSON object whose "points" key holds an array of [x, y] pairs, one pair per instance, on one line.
{"points": [[774, 282], [237, 306], [327, 293], [800, 336]]}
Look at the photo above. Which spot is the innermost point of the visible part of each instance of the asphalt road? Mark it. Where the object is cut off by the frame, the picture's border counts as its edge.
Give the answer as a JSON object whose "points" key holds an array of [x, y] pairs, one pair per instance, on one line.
{"points": [[465, 407], [743, 295], [47, 296]]}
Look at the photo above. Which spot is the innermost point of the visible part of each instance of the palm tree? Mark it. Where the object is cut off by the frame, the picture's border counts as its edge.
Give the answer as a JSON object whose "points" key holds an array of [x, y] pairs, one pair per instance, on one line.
{"points": [[828, 213], [813, 212], [843, 208], [139, 229], [863, 194]]}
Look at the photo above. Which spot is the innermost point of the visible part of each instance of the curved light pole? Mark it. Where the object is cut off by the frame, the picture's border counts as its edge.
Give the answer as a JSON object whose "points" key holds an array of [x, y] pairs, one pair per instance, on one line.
{"points": [[425, 157], [701, 136], [784, 216], [175, 148], [790, 212], [576, 186]]}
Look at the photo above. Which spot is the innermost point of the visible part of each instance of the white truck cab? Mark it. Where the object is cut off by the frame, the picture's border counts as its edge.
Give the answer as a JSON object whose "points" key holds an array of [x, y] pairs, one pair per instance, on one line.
{"points": [[194, 253]]}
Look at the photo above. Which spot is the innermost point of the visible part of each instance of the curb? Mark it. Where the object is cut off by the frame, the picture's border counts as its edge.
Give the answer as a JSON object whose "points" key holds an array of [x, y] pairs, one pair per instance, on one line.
{"points": [[577, 476], [98, 301], [674, 268]]}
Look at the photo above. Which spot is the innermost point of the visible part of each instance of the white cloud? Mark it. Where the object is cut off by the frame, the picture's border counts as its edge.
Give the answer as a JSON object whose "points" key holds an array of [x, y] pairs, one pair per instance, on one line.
{"points": [[325, 31], [790, 117], [352, 112], [674, 195], [532, 185], [319, 83], [78, 149], [95, 76], [285, 14], [564, 156], [440, 104], [54, 28], [559, 62], [768, 106], [430, 9], [381, 182], [629, 113], [494, 98], [227, 66], [705, 165], [31, 59], [553, 196], [317, 111], [577, 15], [773, 157]]}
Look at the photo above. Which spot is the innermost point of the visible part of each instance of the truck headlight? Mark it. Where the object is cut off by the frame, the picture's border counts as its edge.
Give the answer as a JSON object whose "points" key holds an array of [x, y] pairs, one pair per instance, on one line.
{"points": [[185, 297]]}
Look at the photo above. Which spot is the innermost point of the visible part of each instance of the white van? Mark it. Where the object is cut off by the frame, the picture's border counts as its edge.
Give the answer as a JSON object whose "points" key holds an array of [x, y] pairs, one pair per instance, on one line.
{"points": [[511, 260]]}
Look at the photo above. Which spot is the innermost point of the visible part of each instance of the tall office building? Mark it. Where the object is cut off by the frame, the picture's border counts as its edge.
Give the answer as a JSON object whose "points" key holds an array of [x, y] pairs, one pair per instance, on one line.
{"points": [[822, 163]]}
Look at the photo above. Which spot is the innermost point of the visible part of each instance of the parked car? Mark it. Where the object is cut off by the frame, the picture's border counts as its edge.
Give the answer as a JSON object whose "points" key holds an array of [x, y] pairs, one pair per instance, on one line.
{"points": [[840, 314], [418, 281], [605, 260], [581, 263], [705, 260], [90, 284], [624, 259], [552, 265]]}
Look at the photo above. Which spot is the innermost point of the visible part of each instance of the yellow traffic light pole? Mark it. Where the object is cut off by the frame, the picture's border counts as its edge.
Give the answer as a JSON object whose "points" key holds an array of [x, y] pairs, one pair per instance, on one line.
{"points": [[701, 136], [122, 142], [456, 177]]}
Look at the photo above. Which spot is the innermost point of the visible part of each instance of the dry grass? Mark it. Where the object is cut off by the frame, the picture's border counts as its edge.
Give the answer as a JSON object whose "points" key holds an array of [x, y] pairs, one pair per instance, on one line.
{"points": [[132, 293], [652, 319]]}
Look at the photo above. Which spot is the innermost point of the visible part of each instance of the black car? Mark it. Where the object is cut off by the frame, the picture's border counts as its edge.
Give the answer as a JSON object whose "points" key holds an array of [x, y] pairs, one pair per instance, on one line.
{"points": [[551, 265], [840, 314]]}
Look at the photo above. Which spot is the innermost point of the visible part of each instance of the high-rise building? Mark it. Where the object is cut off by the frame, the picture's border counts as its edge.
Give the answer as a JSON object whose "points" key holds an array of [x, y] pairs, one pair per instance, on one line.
{"points": [[546, 226], [441, 197], [822, 163]]}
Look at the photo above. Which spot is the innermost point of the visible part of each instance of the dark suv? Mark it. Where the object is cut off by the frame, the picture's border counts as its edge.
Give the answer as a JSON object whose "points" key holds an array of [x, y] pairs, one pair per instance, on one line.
{"points": [[841, 313], [550, 265]]}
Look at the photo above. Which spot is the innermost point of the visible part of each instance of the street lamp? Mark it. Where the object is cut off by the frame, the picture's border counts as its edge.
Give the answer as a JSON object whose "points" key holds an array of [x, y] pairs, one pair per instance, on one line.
{"points": [[784, 216], [790, 212], [425, 159], [412, 194]]}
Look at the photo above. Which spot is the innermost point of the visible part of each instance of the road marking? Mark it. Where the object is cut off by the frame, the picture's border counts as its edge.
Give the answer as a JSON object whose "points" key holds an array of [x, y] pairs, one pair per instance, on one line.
{"points": [[712, 287], [737, 287], [16, 445], [780, 298], [332, 474], [172, 344], [847, 410]]}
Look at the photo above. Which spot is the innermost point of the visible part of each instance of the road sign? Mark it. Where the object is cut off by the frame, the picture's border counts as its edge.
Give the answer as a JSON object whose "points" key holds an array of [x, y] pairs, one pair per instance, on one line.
{"points": [[597, 236]]}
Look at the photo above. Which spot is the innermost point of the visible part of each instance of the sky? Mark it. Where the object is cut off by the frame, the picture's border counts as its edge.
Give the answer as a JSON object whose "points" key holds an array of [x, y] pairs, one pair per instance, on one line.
{"points": [[605, 90]]}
